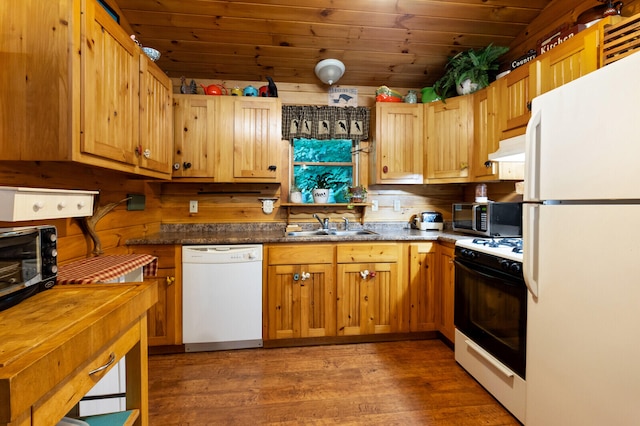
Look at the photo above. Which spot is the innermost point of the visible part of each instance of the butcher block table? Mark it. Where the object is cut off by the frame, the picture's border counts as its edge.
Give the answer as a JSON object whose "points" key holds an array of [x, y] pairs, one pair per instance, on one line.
{"points": [[56, 345]]}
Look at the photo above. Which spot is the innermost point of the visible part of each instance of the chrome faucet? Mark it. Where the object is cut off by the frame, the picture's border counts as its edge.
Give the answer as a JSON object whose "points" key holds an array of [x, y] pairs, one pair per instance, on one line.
{"points": [[346, 223], [323, 222]]}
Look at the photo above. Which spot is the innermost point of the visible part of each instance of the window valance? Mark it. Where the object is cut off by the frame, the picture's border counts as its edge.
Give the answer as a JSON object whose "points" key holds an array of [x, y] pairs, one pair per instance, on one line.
{"points": [[325, 122]]}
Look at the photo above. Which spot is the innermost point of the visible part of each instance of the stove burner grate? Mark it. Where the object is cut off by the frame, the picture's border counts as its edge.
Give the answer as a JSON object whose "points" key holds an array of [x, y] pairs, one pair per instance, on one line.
{"points": [[514, 243]]}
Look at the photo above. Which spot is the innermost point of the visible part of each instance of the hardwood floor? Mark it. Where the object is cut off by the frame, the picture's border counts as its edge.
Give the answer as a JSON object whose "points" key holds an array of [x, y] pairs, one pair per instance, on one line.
{"points": [[391, 383]]}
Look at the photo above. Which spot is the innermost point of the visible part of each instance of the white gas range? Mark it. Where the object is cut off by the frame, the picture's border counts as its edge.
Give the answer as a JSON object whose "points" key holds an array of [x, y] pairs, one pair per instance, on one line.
{"points": [[507, 248], [490, 316]]}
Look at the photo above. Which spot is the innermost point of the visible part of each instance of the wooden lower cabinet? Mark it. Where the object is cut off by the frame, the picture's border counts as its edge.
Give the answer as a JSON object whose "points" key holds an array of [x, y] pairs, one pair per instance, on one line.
{"points": [[357, 289], [372, 295], [422, 283], [446, 275], [300, 291], [164, 319]]}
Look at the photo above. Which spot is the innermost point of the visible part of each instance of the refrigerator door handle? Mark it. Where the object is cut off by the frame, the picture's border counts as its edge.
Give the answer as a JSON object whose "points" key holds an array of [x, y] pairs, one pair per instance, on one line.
{"points": [[532, 158], [531, 216]]}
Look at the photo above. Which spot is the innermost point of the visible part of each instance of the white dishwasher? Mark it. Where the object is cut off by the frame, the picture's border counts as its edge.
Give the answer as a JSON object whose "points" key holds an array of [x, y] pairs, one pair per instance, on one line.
{"points": [[221, 297]]}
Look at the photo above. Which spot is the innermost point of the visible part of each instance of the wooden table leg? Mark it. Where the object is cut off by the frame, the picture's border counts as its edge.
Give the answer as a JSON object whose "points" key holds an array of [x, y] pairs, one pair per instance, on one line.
{"points": [[138, 376]]}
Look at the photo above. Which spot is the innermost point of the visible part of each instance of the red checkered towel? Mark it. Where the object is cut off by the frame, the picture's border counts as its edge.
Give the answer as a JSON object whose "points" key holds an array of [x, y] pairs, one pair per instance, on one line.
{"points": [[106, 268]]}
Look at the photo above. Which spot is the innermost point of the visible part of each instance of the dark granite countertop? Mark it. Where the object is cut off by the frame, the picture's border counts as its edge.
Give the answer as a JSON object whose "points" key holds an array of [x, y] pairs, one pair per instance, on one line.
{"points": [[275, 233]]}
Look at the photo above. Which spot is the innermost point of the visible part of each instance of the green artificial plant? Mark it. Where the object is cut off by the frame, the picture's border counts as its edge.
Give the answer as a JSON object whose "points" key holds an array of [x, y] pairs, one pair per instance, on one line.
{"points": [[474, 65]]}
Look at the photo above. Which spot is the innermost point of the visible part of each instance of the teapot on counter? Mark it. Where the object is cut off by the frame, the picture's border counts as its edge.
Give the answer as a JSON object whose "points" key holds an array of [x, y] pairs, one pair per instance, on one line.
{"points": [[250, 91], [214, 89]]}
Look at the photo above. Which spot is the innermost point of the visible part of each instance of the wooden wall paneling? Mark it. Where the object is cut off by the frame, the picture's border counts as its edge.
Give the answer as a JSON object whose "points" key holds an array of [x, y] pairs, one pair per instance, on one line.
{"points": [[219, 202], [496, 191], [113, 229]]}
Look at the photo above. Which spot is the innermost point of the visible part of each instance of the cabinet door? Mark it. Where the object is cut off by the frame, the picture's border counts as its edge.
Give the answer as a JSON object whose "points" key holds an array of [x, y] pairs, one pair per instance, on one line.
{"points": [[367, 304], [399, 141], [164, 319], [256, 140], [194, 135], [568, 61], [515, 102], [449, 140], [35, 113], [301, 301], [446, 286], [422, 276], [110, 100], [485, 133], [156, 119]]}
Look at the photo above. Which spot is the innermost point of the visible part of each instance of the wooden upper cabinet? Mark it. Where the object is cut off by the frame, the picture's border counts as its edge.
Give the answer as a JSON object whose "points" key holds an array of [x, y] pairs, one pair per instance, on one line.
{"points": [[110, 112], [35, 113], [449, 129], [398, 143], [250, 144], [81, 101], [155, 151], [485, 133], [515, 96], [194, 135], [566, 62]]}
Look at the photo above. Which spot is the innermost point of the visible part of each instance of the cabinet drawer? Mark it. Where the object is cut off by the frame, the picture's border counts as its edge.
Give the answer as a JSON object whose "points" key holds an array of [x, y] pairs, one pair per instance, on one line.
{"points": [[82, 382], [300, 254], [366, 252]]}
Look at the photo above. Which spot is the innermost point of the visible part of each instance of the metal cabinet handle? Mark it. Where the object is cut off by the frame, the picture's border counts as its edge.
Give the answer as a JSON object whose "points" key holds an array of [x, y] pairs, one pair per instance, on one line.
{"points": [[112, 358]]}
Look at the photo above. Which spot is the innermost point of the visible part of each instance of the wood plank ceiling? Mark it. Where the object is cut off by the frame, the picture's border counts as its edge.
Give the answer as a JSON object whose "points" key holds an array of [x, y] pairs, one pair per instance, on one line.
{"points": [[399, 43]]}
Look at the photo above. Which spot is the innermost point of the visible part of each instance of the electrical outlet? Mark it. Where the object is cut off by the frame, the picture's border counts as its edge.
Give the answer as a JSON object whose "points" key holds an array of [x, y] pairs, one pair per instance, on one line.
{"points": [[374, 205], [396, 205], [193, 206]]}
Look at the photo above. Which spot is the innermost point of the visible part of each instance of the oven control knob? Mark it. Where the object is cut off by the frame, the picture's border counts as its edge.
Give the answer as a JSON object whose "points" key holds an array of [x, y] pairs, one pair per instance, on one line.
{"points": [[470, 254], [505, 265], [515, 267]]}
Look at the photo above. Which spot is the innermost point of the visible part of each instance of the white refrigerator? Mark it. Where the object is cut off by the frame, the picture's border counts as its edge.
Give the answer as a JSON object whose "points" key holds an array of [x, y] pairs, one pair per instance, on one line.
{"points": [[581, 230]]}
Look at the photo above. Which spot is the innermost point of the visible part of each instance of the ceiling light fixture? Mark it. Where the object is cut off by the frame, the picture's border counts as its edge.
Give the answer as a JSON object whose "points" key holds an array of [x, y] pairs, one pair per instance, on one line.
{"points": [[329, 70]]}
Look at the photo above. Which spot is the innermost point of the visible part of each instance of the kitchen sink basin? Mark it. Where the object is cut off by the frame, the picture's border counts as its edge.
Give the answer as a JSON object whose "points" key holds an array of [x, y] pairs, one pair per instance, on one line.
{"points": [[307, 233], [333, 232], [352, 232]]}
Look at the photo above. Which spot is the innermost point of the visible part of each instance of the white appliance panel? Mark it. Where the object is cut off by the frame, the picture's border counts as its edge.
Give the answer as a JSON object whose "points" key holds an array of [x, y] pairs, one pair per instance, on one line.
{"points": [[222, 297], [582, 347], [583, 141]]}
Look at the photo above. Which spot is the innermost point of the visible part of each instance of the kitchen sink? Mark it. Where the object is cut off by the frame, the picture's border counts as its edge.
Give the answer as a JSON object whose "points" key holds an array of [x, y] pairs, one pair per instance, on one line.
{"points": [[352, 232], [332, 232], [317, 232]]}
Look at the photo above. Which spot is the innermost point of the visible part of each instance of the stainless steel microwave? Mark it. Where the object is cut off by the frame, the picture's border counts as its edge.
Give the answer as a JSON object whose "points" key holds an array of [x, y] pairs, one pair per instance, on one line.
{"points": [[28, 262], [488, 219]]}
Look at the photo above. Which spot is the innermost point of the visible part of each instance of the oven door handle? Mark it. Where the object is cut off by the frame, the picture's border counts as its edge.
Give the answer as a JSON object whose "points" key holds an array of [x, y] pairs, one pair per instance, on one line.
{"points": [[491, 360], [512, 281]]}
